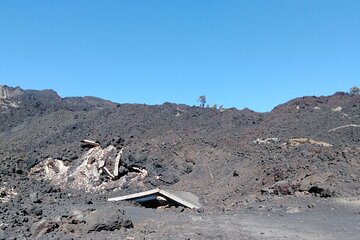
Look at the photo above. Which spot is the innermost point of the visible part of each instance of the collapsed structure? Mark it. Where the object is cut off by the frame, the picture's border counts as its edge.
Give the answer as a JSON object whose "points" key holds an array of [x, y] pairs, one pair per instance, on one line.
{"points": [[158, 197], [88, 173]]}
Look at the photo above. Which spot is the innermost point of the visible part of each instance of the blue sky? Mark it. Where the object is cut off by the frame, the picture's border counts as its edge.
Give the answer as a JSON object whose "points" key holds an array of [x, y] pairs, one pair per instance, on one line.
{"points": [[254, 54]]}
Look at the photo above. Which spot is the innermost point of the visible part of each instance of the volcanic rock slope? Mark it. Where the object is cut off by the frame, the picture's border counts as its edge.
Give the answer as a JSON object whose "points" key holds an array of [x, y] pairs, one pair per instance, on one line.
{"points": [[227, 157]]}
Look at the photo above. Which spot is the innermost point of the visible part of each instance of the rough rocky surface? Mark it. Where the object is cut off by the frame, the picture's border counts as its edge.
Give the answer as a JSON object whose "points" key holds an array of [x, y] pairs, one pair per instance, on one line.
{"points": [[302, 151]]}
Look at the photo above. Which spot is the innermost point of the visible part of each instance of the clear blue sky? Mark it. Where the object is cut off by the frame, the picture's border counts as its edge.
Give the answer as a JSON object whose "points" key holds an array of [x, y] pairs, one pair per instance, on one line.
{"points": [[254, 54]]}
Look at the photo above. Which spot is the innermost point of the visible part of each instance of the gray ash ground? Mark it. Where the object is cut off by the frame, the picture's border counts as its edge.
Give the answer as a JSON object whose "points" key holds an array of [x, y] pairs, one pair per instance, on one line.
{"points": [[291, 173]]}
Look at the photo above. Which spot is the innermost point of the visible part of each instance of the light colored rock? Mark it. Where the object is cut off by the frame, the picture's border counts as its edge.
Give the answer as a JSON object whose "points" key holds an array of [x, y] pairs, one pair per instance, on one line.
{"points": [[345, 126], [117, 162], [298, 141], [51, 169], [338, 109], [9, 92], [293, 210], [85, 172], [266, 141]]}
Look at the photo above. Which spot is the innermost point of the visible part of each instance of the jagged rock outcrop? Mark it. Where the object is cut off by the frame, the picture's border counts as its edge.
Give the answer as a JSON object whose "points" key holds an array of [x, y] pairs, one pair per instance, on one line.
{"points": [[6, 95], [10, 92]]}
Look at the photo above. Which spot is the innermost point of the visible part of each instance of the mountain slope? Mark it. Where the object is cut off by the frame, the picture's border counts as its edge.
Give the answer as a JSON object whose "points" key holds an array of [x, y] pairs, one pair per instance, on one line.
{"points": [[209, 152]]}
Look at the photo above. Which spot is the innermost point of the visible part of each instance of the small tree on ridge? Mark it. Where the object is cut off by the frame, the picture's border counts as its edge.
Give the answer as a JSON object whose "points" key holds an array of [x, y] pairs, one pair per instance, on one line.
{"points": [[202, 100], [354, 90]]}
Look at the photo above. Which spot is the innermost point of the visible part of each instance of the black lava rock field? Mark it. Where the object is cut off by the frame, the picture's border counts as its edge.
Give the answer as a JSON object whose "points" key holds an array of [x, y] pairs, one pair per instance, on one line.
{"points": [[307, 148]]}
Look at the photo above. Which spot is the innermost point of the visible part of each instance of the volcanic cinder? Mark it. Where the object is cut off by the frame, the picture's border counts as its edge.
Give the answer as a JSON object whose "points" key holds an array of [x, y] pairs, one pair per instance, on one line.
{"points": [[301, 158]]}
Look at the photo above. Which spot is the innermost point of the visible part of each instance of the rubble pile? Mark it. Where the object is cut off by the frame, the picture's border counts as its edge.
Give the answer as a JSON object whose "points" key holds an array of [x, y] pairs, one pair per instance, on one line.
{"points": [[98, 169]]}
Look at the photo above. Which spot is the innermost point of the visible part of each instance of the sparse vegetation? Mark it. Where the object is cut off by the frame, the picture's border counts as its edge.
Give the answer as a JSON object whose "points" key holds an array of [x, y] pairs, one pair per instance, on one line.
{"points": [[202, 100], [354, 90], [221, 108]]}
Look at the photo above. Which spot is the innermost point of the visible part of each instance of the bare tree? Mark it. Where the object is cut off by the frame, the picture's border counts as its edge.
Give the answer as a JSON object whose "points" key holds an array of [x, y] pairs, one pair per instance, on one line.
{"points": [[202, 100], [354, 90]]}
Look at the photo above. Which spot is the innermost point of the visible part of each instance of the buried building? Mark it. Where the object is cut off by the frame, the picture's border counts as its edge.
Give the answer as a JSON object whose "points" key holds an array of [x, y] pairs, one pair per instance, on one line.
{"points": [[159, 197]]}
